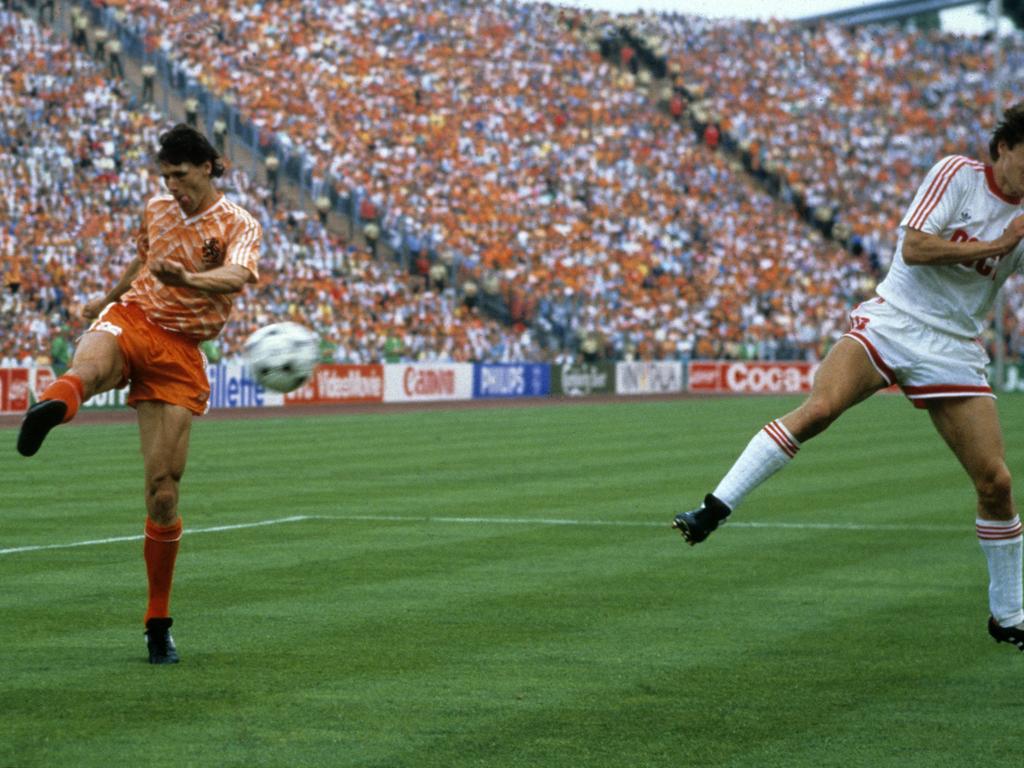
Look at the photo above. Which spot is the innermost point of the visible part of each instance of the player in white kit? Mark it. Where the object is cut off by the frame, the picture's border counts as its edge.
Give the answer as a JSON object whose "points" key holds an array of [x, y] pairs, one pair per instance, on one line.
{"points": [[958, 243]]}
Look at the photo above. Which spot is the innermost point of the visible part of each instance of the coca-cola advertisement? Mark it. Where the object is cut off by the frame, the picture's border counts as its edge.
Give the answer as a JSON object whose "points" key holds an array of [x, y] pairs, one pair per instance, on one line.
{"points": [[750, 377], [40, 378], [14, 389]]}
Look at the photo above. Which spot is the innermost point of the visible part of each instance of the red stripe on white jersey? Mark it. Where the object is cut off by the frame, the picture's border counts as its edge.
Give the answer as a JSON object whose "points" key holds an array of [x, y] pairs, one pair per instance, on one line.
{"points": [[935, 192], [780, 435]]}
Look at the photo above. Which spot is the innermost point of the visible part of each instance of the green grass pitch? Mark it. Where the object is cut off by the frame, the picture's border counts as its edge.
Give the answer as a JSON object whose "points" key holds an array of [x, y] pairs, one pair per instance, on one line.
{"points": [[500, 587]]}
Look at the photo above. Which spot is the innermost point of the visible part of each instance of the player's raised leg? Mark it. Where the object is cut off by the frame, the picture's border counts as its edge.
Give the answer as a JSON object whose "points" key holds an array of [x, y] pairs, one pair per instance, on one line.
{"points": [[846, 377], [98, 365], [970, 426], [164, 431]]}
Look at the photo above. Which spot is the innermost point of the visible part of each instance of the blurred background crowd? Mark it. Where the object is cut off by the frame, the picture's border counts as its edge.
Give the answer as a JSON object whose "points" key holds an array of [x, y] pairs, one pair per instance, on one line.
{"points": [[523, 182]]}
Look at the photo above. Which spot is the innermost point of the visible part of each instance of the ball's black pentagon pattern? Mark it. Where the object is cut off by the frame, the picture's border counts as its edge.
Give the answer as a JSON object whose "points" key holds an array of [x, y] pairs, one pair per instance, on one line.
{"points": [[282, 356]]}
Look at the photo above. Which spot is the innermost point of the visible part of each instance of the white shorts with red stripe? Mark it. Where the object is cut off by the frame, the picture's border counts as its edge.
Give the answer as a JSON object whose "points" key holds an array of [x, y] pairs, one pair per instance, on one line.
{"points": [[923, 362]]}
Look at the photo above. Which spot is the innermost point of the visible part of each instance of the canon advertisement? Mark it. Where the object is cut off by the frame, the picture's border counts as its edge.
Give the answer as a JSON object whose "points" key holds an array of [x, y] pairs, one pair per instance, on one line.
{"points": [[419, 382]]}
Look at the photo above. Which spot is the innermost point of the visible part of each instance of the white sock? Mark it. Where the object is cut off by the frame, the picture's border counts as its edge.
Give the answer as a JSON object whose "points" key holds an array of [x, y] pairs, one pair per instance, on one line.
{"points": [[769, 451], [1001, 543]]}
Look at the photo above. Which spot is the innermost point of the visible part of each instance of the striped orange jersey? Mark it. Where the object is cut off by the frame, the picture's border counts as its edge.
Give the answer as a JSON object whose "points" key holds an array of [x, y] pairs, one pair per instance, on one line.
{"points": [[225, 233]]}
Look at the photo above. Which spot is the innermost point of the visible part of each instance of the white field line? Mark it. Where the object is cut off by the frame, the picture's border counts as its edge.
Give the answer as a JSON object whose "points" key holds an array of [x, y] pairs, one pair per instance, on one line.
{"points": [[884, 527], [642, 524], [140, 537]]}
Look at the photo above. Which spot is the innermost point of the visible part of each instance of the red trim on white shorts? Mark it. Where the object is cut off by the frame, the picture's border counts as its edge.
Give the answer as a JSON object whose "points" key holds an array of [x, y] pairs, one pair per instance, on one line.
{"points": [[876, 359], [947, 390], [920, 396]]}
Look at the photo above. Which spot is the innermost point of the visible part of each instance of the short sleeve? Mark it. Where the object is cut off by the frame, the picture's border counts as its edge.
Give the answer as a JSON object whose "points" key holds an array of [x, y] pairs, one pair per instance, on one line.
{"points": [[939, 197], [244, 246]]}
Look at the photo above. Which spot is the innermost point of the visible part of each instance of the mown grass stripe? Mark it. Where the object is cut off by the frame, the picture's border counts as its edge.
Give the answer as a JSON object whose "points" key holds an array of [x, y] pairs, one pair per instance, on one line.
{"points": [[872, 527]]}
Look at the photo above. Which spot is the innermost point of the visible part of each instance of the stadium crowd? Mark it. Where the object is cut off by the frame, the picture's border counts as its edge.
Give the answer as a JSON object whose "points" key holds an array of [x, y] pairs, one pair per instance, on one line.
{"points": [[75, 170], [851, 117], [498, 132]]}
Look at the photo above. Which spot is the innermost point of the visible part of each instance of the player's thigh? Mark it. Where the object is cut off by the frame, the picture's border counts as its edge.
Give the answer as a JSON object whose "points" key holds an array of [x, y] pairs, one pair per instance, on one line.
{"points": [[98, 361], [164, 431], [845, 377], [970, 427]]}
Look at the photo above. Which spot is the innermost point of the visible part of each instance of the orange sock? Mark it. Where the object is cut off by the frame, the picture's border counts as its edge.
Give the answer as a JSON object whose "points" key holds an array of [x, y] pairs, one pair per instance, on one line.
{"points": [[160, 551], [69, 390]]}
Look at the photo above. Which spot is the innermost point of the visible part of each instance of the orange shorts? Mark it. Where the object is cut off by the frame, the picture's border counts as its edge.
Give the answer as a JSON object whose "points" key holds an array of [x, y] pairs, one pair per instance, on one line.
{"points": [[158, 364]]}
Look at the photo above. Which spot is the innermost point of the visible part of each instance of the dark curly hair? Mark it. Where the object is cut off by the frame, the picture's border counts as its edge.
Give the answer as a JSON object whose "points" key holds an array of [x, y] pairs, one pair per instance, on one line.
{"points": [[1010, 129], [184, 144]]}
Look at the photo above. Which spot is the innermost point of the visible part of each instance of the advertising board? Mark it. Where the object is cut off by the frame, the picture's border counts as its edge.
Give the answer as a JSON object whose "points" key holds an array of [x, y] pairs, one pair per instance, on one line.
{"points": [[581, 379], [511, 380], [648, 378], [332, 384], [750, 377], [421, 382]]}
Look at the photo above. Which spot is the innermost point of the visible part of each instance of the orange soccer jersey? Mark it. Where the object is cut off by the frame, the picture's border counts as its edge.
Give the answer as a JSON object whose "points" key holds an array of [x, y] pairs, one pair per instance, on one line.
{"points": [[225, 233]]}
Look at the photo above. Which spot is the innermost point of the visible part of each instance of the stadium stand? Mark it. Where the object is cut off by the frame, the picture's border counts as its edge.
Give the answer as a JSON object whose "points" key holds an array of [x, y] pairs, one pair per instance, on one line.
{"points": [[526, 152], [75, 169], [850, 118], [500, 134]]}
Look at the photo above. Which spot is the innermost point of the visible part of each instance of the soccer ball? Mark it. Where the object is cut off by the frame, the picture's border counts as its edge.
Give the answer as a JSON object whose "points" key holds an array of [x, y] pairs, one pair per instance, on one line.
{"points": [[282, 355]]}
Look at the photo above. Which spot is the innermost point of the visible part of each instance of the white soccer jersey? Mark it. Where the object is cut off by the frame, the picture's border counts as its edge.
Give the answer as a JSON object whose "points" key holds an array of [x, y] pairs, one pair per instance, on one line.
{"points": [[959, 201]]}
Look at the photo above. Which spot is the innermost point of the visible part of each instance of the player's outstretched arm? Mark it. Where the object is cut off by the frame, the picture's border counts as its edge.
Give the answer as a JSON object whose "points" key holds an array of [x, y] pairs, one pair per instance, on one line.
{"points": [[921, 248], [230, 278]]}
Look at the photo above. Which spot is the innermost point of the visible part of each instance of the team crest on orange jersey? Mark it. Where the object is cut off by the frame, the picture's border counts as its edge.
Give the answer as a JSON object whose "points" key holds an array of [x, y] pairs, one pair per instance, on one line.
{"points": [[213, 252]]}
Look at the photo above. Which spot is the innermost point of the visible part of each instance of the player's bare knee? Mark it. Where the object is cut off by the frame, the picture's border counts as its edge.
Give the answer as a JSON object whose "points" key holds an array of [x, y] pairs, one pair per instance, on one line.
{"points": [[995, 490], [164, 506], [163, 500], [815, 416]]}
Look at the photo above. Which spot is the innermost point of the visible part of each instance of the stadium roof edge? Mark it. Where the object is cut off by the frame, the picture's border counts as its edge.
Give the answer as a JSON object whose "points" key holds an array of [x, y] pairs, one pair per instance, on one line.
{"points": [[891, 10]]}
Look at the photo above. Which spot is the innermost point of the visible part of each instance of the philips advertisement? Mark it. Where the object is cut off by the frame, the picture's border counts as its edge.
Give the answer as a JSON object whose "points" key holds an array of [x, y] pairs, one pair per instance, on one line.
{"points": [[511, 380]]}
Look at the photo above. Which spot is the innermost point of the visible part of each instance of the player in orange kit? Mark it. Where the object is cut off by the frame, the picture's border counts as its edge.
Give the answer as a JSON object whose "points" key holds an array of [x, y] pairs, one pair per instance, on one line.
{"points": [[195, 251]]}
